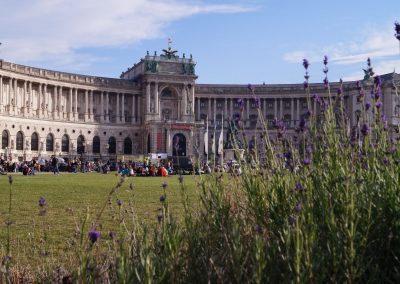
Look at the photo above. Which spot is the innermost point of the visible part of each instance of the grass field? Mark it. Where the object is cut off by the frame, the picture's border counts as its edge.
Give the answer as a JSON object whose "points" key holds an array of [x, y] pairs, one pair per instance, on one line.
{"points": [[70, 198]]}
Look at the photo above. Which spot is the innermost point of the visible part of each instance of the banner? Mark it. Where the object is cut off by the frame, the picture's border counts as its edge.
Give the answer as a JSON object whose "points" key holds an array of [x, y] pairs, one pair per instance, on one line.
{"points": [[206, 139]]}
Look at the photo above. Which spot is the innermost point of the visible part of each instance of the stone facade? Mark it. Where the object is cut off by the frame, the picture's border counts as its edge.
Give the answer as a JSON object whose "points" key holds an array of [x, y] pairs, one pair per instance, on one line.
{"points": [[155, 107]]}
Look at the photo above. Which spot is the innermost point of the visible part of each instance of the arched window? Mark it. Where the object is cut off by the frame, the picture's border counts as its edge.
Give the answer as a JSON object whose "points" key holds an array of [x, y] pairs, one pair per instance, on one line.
{"points": [[4, 139], [112, 143], [80, 147], [34, 142], [167, 93], [128, 146], [65, 143], [96, 145], [50, 142], [20, 141]]}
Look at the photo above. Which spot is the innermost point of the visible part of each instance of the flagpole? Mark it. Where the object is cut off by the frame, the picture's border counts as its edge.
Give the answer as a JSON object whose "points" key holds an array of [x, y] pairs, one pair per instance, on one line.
{"points": [[214, 146]]}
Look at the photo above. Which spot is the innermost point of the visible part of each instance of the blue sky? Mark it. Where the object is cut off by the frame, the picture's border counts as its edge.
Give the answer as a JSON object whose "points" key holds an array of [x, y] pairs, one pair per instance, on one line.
{"points": [[236, 42]]}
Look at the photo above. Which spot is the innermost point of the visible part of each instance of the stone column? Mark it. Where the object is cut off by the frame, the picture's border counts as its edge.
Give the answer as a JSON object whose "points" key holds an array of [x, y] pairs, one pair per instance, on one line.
{"points": [[45, 101], [76, 114], [118, 114], [10, 100], [55, 102], [1, 94], [133, 112], [297, 110], [101, 106], [184, 101], [60, 104], [70, 111], [107, 108], [91, 106], [281, 108], [123, 108], [292, 124], [156, 102], [247, 112], [225, 112], [198, 109], [147, 97], [264, 110], [276, 108], [209, 109], [39, 101], [25, 101], [30, 96], [86, 105], [15, 95], [215, 111], [192, 94], [230, 108]]}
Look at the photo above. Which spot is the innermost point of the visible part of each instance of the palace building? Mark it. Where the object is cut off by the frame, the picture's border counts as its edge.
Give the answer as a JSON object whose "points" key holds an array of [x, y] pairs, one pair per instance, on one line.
{"points": [[155, 107]]}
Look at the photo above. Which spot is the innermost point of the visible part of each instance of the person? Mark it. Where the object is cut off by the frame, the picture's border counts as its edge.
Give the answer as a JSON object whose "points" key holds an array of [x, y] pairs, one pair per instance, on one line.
{"points": [[54, 164]]}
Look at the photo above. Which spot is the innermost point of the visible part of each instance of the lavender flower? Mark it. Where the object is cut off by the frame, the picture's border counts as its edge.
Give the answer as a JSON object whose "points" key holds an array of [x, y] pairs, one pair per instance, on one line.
{"points": [[305, 64], [367, 105], [119, 202], [291, 220], [162, 198], [250, 87], [42, 201], [378, 104], [10, 180], [164, 185], [397, 29], [364, 129], [241, 104], [299, 187], [325, 60], [93, 235], [306, 162], [377, 95], [326, 82], [377, 81], [305, 84], [258, 102]]}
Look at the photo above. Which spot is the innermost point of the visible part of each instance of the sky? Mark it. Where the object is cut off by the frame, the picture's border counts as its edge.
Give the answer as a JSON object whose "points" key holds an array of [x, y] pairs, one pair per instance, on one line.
{"points": [[233, 42]]}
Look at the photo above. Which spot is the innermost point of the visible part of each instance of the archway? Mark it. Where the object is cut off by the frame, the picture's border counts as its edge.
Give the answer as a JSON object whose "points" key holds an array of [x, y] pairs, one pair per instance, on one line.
{"points": [[179, 145], [112, 143], [50, 143], [4, 139], [65, 143], [96, 145], [20, 141], [80, 144], [128, 146], [35, 142]]}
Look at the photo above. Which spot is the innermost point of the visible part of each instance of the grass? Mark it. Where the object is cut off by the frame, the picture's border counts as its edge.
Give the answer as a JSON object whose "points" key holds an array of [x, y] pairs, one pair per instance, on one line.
{"points": [[70, 197]]}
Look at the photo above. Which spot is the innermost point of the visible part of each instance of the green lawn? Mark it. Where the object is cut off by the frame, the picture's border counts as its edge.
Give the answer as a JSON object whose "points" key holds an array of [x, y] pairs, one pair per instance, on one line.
{"points": [[69, 197]]}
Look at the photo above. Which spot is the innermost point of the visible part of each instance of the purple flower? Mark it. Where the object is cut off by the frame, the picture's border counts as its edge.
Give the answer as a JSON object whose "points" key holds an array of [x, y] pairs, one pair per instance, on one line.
{"points": [[377, 95], [302, 124], [162, 198], [299, 187], [258, 102], [305, 64], [358, 85], [257, 228], [10, 180], [364, 129], [306, 162], [93, 235], [241, 104], [291, 220], [288, 154], [397, 29], [326, 82], [305, 84], [119, 202], [42, 201], [164, 185], [339, 91], [250, 87], [378, 104], [369, 62], [298, 207], [367, 105], [377, 81], [180, 178], [325, 60]]}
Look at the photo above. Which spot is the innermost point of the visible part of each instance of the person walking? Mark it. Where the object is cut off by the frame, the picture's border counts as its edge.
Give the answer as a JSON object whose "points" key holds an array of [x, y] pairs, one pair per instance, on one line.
{"points": [[54, 164]]}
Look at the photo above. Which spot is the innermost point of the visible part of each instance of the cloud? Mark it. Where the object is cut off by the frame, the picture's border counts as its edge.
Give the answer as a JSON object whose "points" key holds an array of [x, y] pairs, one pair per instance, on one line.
{"points": [[55, 30], [376, 45]]}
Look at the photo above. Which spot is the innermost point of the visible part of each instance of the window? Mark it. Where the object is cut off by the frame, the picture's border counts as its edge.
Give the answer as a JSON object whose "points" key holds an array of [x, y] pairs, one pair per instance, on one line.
{"points": [[20, 141], [253, 105], [219, 120], [128, 146], [35, 142], [65, 143], [4, 139], [219, 105], [112, 145], [96, 145], [287, 120], [80, 147], [287, 104], [166, 92], [304, 104], [270, 121], [50, 143], [253, 120], [202, 104], [270, 105], [236, 105]]}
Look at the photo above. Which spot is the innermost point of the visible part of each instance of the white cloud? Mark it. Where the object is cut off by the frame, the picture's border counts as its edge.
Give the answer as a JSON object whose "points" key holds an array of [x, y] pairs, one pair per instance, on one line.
{"points": [[53, 30]]}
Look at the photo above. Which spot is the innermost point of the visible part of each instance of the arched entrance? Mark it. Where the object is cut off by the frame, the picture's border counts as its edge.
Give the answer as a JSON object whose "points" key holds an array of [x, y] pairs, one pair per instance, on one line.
{"points": [[179, 145], [80, 147]]}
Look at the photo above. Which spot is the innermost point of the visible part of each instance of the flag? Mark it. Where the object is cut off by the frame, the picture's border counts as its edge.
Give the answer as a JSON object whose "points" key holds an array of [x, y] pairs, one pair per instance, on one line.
{"points": [[221, 139], [213, 142], [206, 139]]}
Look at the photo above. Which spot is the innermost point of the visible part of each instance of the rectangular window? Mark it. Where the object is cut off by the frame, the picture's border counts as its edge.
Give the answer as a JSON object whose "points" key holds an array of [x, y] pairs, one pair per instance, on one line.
{"points": [[287, 105], [304, 105], [202, 104], [270, 105], [219, 105]]}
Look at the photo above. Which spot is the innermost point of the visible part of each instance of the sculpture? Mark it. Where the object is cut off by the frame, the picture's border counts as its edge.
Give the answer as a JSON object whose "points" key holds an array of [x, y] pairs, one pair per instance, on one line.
{"points": [[232, 141]]}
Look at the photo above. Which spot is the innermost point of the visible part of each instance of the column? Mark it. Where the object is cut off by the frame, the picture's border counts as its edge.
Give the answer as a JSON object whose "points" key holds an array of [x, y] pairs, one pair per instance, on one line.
{"points": [[118, 114], [156, 102], [292, 123], [70, 105], [60, 103], [76, 115], [247, 112], [275, 108], [86, 105], [30, 95], [133, 112], [230, 108], [264, 109], [107, 108], [281, 108], [209, 109], [225, 112], [15, 93], [39, 102], [123, 108], [25, 100], [101, 106], [192, 94], [45, 101], [91, 106], [215, 111], [55, 102], [297, 110], [198, 109], [1, 94], [147, 97], [185, 101]]}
